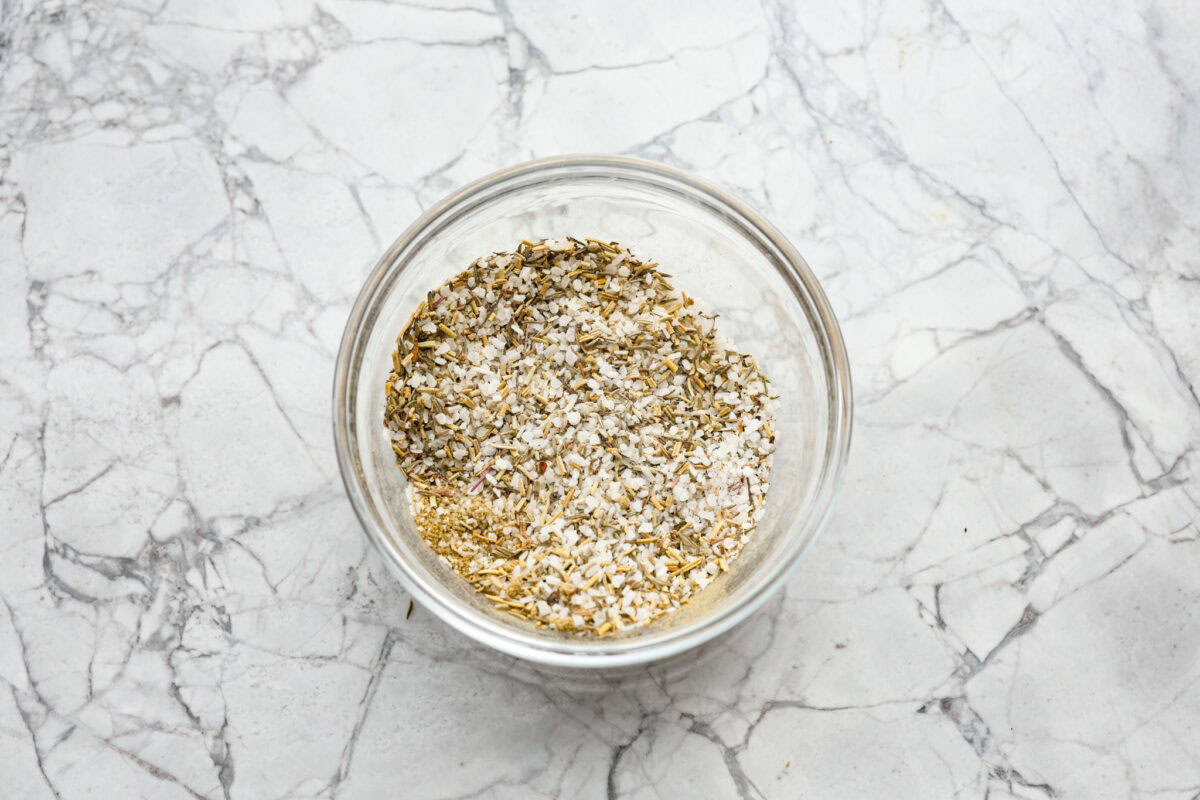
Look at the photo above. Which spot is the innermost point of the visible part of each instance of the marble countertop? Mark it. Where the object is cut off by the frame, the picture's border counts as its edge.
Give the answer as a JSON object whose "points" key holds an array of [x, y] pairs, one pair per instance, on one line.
{"points": [[1001, 201]]}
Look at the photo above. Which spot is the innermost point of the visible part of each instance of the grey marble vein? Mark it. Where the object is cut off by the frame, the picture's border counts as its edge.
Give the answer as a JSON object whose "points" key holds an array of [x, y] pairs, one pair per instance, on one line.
{"points": [[1000, 199]]}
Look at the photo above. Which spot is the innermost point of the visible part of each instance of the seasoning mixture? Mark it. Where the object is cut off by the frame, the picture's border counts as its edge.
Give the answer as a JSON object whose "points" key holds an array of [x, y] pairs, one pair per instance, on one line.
{"points": [[580, 442]]}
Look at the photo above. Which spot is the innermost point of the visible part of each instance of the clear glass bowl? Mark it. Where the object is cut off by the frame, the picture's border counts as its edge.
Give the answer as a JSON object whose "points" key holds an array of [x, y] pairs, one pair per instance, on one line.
{"points": [[719, 251]]}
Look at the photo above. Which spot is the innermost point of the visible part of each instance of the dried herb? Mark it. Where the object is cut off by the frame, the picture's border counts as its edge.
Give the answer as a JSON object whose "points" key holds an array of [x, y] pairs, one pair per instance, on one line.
{"points": [[582, 445]]}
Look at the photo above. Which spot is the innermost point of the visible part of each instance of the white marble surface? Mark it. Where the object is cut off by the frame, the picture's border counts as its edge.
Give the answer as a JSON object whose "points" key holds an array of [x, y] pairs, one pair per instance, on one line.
{"points": [[1002, 202]]}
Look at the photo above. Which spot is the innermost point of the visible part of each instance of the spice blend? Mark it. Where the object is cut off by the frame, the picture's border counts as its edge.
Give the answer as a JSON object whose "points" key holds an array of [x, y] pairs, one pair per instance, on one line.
{"points": [[580, 442]]}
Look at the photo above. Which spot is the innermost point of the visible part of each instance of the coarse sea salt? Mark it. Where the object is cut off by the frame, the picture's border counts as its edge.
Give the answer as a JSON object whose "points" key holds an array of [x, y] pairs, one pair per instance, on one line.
{"points": [[582, 445]]}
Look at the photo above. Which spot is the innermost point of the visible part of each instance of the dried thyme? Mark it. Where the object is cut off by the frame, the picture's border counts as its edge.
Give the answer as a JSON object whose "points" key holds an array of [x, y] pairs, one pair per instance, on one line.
{"points": [[581, 443]]}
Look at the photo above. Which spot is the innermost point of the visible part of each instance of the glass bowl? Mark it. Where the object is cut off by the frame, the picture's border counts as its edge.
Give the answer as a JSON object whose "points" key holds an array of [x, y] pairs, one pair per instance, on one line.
{"points": [[719, 251]]}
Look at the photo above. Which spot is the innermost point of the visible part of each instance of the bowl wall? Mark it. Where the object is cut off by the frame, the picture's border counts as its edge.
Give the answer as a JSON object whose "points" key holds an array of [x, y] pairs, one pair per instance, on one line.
{"points": [[717, 251]]}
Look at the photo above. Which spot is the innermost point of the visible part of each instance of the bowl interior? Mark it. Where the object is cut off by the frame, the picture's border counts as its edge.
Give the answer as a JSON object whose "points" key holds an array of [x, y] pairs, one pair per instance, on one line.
{"points": [[716, 254]]}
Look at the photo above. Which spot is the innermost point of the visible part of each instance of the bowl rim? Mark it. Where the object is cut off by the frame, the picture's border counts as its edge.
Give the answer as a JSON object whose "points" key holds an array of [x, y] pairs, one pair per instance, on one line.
{"points": [[633, 650]]}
